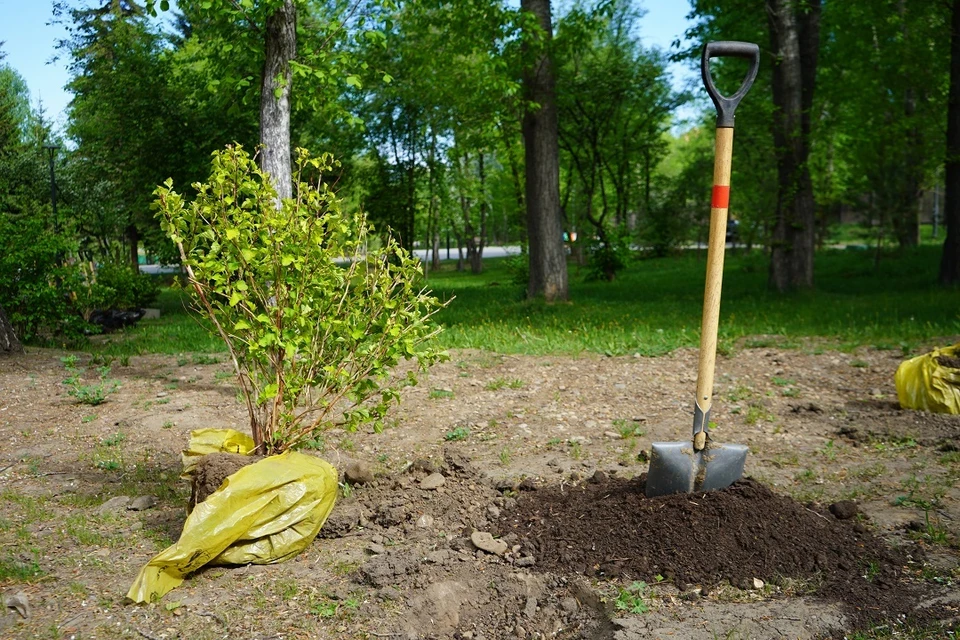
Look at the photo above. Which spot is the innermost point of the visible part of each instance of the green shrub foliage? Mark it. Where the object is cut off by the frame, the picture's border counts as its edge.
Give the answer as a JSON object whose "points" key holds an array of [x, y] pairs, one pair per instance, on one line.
{"points": [[35, 284], [314, 317]]}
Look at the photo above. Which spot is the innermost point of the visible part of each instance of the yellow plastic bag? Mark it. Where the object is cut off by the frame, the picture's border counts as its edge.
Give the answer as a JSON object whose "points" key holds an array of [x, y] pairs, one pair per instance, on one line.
{"points": [[924, 383], [204, 441], [266, 512]]}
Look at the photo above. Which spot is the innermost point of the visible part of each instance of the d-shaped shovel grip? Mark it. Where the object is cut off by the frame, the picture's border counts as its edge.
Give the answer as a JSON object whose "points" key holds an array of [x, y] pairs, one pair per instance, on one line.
{"points": [[727, 49]]}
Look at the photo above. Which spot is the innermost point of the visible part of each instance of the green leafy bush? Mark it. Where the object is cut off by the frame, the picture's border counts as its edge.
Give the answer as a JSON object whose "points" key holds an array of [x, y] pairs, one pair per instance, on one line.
{"points": [[131, 289], [313, 317], [610, 255], [35, 285]]}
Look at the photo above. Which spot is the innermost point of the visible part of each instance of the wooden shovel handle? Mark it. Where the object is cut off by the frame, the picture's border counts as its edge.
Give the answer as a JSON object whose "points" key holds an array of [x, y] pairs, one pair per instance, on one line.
{"points": [[711, 294]]}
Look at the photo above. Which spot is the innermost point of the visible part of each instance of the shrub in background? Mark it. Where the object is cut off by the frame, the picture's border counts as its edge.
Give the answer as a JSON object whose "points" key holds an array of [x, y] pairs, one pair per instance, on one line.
{"points": [[34, 286], [313, 317]]}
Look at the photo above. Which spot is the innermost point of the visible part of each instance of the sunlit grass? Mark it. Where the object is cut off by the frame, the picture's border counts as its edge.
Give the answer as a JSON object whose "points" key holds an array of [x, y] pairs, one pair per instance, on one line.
{"points": [[653, 308]]}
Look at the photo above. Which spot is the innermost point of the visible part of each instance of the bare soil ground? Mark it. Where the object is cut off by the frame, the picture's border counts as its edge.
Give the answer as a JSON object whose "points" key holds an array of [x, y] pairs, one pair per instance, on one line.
{"points": [[547, 454]]}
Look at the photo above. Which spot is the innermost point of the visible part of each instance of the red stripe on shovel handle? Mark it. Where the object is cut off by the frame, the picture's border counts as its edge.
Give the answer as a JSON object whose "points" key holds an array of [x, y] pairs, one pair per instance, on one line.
{"points": [[721, 196]]}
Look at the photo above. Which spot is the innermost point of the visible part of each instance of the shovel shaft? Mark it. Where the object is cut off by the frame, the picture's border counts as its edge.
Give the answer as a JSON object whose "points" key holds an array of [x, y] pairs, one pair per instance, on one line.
{"points": [[711, 295]]}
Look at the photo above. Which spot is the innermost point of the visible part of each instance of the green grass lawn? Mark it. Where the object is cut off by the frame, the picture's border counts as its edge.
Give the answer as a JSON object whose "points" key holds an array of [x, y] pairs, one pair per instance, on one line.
{"points": [[654, 307]]}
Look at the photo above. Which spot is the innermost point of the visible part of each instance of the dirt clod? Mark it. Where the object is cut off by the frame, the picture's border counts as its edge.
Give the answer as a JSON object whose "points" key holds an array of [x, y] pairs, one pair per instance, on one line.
{"points": [[212, 470]]}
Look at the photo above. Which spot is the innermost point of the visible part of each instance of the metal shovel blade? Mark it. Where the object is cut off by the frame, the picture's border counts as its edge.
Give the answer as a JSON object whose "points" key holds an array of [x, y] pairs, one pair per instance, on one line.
{"points": [[676, 468]]}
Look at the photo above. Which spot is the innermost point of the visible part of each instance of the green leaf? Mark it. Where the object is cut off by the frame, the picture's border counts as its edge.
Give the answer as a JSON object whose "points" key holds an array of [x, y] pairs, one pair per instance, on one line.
{"points": [[354, 81]]}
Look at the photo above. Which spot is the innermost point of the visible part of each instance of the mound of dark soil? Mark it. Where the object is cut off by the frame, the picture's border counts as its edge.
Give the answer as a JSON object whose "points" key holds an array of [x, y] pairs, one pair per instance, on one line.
{"points": [[608, 527]]}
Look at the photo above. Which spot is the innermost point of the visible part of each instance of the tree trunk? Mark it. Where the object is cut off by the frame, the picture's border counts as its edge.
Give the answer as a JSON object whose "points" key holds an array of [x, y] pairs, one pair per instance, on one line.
{"points": [[794, 39], [548, 265], [133, 235], [8, 339], [280, 48], [950, 260]]}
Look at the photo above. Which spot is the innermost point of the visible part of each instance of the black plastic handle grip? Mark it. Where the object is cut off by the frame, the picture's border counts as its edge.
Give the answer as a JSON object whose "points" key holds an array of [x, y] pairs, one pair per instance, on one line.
{"points": [[725, 49]]}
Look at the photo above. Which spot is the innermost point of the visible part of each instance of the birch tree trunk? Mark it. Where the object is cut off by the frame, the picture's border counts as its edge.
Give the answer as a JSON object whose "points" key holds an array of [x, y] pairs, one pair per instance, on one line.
{"points": [[280, 48]]}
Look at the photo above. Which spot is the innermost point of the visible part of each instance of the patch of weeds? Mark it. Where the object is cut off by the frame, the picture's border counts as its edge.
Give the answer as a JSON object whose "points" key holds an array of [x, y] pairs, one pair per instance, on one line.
{"points": [[631, 598], [829, 451], [114, 440], [628, 428], [347, 444], [33, 465], [172, 386], [739, 393], [80, 500], [783, 382], [460, 433], [505, 455], [383, 458], [91, 394], [440, 393], [870, 472], [167, 424], [501, 383], [346, 489], [316, 443], [790, 392], [932, 532], [100, 359], [204, 358], [160, 538], [895, 445], [326, 607], [871, 570], [924, 493], [219, 376], [78, 588], [860, 364], [125, 360], [576, 449], [286, 589], [807, 476], [781, 461], [554, 442], [756, 412], [33, 508], [183, 361], [344, 568], [88, 419], [79, 530], [950, 458], [18, 570]]}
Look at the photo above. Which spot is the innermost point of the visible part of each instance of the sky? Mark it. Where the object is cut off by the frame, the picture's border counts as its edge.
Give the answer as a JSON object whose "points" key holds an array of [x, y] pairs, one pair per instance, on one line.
{"points": [[30, 44]]}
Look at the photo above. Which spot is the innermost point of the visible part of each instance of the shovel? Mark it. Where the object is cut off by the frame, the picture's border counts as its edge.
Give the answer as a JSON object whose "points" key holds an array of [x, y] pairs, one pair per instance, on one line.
{"points": [[701, 464]]}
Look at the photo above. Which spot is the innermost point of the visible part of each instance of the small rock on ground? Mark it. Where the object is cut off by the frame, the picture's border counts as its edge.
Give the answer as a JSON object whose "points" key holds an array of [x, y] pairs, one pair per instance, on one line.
{"points": [[484, 541], [433, 481], [358, 472]]}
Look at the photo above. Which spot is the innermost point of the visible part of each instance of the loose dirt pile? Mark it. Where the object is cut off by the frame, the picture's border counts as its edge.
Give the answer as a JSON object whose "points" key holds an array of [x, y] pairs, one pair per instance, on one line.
{"points": [[607, 527]]}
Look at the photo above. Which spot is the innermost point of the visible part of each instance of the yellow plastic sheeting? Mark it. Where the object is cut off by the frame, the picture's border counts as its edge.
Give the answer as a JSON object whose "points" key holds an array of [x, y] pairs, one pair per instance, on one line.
{"points": [[924, 383], [266, 512], [204, 441]]}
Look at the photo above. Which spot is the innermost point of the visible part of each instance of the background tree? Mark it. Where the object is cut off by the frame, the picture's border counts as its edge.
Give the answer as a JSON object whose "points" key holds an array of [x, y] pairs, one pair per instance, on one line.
{"points": [[950, 261], [613, 112], [548, 267]]}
